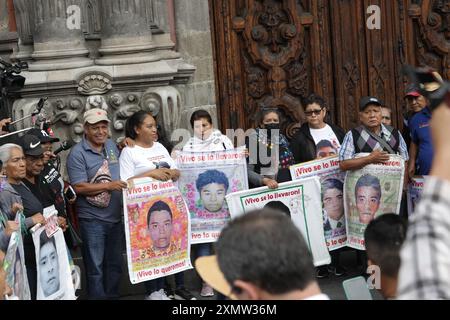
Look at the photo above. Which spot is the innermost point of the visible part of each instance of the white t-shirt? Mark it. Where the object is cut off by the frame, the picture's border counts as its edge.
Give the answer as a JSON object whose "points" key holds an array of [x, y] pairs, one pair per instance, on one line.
{"points": [[137, 160], [326, 133], [215, 142]]}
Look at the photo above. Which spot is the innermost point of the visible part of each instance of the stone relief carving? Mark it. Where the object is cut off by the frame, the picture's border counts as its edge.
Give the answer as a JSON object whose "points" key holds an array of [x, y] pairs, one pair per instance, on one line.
{"points": [[66, 113], [94, 84], [432, 18]]}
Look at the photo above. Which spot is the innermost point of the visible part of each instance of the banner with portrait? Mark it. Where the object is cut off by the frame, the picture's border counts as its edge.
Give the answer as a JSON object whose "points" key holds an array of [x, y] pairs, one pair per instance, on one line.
{"points": [[298, 199], [206, 178], [415, 188], [370, 192], [332, 182], [157, 230], [54, 273], [14, 266]]}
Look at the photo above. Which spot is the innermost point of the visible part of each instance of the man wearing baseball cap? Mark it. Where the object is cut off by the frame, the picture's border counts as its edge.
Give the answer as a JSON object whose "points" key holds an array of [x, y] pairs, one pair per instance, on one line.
{"points": [[371, 137], [421, 148], [374, 138], [93, 169], [50, 180]]}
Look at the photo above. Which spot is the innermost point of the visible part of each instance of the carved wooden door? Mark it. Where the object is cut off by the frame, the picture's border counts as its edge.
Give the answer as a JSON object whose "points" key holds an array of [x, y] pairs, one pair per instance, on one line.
{"points": [[274, 53]]}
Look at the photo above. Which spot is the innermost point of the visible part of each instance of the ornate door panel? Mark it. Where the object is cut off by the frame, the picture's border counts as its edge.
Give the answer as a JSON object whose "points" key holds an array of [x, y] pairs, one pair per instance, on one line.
{"points": [[263, 59], [273, 53]]}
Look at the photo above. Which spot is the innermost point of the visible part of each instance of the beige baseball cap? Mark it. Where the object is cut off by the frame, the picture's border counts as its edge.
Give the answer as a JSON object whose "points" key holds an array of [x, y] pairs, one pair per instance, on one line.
{"points": [[209, 270], [95, 115]]}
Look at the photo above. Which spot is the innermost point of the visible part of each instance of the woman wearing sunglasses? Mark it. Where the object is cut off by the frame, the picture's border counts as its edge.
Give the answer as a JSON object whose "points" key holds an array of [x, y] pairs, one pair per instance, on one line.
{"points": [[308, 142], [318, 139]]}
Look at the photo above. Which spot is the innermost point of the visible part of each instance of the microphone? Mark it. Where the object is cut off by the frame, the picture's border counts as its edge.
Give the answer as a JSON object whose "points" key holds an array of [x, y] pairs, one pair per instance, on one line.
{"points": [[65, 145], [39, 106]]}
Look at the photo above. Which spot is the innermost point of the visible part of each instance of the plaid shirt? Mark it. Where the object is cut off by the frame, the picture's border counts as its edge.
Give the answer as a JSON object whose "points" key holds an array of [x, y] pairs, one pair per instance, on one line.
{"points": [[347, 150], [425, 256]]}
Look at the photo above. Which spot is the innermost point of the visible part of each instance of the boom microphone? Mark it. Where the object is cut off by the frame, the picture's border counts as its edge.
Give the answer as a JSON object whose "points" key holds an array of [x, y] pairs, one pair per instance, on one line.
{"points": [[65, 145]]}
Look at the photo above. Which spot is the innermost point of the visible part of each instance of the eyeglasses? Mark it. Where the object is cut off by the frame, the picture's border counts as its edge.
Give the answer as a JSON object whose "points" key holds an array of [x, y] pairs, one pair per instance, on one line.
{"points": [[310, 113], [386, 118]]}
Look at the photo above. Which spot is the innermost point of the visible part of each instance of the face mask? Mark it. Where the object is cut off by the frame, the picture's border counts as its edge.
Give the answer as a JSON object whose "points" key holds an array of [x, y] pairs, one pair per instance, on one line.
{"points": [[272, 126]]}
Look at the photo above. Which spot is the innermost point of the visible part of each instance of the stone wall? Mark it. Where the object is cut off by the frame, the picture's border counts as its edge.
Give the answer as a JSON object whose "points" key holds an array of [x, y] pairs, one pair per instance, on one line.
{"points": [[194, 44]]}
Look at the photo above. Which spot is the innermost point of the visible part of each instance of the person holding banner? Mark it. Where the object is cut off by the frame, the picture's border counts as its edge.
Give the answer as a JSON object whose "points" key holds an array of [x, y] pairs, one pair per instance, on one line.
{"points": [[14, 157], [148, 158], [269, 152], [206, 138], [374, 138], [371, 137], [210, 185], [316, 138]]}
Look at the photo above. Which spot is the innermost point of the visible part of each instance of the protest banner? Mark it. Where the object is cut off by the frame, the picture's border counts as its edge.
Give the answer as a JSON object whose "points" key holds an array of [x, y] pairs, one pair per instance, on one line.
{"points": [[157, 230], [204, 188], [300, 200], [54, 275], [370, 192], [14, 265], [415, 188], [332, 181]]}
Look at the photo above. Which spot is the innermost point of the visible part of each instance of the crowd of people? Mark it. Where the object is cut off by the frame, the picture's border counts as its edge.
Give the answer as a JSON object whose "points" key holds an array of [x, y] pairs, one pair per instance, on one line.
{"points": [[99, 170]]}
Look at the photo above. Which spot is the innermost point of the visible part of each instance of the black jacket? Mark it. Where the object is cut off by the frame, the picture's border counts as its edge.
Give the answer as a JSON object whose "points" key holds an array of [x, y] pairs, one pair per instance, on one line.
{"points": [[303, 146]]}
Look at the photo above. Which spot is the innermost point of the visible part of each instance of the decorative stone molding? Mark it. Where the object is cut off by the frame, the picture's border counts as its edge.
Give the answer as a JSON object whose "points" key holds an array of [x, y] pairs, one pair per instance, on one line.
{"points": [[66, 113], [94, 84]]}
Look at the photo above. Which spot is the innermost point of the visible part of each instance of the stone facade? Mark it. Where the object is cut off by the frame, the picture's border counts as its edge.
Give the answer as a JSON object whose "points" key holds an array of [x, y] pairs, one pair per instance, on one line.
{"points": [[120, 58]]}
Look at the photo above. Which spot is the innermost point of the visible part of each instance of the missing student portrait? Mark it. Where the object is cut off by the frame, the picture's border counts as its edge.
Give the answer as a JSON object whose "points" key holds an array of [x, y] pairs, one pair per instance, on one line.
{"points": [[205, 189], [49, 278], [54, 276], [157, 230], [370, 192]]}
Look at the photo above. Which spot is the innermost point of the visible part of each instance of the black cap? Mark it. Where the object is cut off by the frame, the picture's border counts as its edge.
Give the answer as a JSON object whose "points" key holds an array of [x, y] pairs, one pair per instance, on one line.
{"points": [[31, 145], [43, 136], [365, 101]]}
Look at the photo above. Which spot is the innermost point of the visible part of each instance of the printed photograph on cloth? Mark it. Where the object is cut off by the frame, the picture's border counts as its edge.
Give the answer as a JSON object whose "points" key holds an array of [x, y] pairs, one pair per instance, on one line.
{"points": [[157, 230], [298, 199], [332, 182], [206, 178], [370, 192]]}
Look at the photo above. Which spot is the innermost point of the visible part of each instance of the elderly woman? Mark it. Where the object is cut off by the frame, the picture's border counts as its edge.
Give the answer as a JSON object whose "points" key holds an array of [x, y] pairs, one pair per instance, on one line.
{"points": [[15, 192]]}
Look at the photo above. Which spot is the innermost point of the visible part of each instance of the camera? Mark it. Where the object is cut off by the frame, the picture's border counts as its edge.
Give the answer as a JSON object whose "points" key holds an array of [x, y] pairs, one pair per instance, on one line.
{"points": [[430, 84]]}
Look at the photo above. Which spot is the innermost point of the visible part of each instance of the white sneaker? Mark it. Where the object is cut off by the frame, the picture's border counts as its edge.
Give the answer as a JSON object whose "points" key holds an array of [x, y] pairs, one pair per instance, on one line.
{"points": [[207, 290], [163, 295], [157, 295]]}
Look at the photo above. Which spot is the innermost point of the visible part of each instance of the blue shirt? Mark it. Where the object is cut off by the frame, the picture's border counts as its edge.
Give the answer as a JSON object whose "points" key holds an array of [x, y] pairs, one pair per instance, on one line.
{"points": [[82, 165], [419, 126]]}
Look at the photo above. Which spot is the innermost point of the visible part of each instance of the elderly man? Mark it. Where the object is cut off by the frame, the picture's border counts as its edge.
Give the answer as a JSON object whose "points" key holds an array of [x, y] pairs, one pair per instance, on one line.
{"points": [[93, 169]]}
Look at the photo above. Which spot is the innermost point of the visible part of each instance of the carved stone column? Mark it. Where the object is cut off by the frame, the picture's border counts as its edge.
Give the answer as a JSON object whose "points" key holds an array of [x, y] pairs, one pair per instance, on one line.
{"points": [[58, 44], [25, 20], [126, 36]]}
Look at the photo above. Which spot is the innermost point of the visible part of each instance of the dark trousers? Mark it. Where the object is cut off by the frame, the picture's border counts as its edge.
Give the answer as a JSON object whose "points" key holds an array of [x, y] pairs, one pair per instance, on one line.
{"points": [[102, 256]]}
